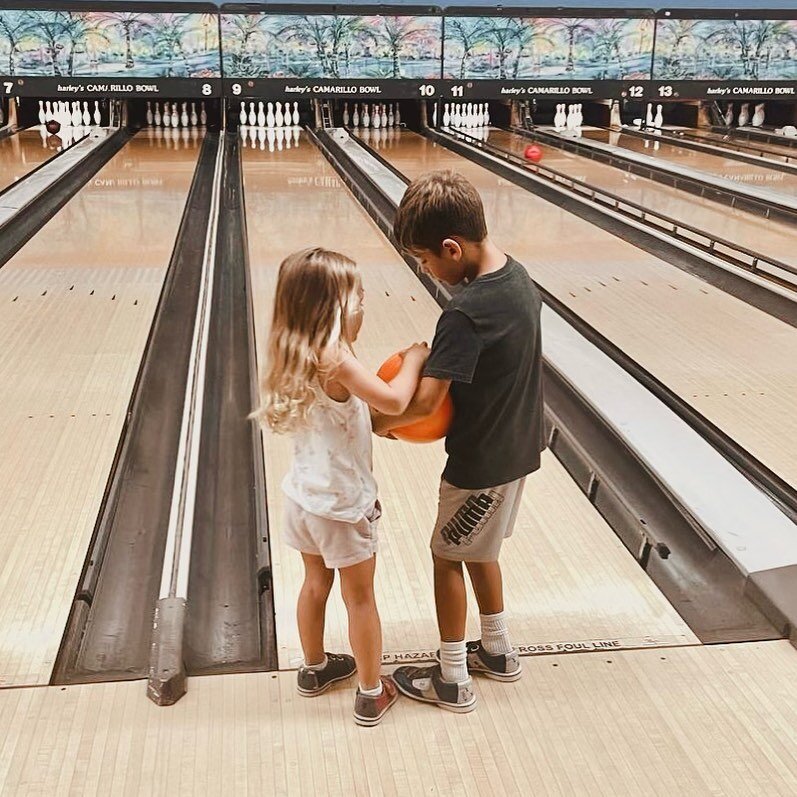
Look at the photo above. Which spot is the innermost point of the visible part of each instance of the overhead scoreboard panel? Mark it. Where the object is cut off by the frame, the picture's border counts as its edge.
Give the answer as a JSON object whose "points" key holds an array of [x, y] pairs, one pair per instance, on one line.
{"points": [[71, 51], [711, 55], [344, 52], [526, 53]]}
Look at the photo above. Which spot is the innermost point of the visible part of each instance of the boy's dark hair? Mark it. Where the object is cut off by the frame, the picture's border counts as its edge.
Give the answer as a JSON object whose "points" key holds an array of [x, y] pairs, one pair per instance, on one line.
{"points": [[436, 206]]}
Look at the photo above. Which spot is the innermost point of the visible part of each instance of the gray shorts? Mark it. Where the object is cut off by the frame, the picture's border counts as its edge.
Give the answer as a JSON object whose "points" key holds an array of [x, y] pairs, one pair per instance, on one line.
{"points": [[472, 524], [338, 543]]}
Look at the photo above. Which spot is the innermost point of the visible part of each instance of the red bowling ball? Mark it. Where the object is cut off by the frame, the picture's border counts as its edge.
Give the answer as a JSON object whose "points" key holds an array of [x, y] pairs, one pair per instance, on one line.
{"points": [[533, 153]]}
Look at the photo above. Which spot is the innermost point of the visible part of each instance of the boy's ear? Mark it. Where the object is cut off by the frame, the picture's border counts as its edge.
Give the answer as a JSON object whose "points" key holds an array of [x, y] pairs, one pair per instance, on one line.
{"points": [[452, 248]]}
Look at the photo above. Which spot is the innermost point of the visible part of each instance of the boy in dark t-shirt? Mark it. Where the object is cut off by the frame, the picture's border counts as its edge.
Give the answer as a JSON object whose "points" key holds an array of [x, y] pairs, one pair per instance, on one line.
{"points": [[487, 353]]}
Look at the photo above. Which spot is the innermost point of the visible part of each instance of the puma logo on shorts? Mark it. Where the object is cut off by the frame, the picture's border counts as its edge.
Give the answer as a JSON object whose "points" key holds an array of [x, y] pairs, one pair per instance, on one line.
{"points": [[472, 524], [470, 518]]}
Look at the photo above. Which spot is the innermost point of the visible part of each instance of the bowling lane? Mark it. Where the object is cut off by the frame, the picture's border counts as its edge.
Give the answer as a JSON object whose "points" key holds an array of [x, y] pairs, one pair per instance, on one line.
{"points": [[763, 149], [767, 236], [718, 165], [567, 575], [732, 362], [78, 302], [21, 153]]}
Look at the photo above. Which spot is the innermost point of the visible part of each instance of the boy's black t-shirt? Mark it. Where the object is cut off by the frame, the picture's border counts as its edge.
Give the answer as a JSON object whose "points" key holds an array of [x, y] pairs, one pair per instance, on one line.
{"points": [[488, 343]]}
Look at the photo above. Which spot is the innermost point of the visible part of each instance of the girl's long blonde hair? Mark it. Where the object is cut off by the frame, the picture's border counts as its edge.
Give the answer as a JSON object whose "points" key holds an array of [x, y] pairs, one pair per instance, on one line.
{"points": [[317, 293]]}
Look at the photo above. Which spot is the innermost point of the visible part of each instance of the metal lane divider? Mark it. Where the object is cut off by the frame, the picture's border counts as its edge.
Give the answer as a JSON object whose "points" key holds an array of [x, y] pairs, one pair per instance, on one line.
{"points": [[167, 676]]}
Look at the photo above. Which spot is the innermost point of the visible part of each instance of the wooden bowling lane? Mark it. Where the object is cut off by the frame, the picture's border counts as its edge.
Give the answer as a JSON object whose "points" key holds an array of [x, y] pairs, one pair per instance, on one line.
{"points": [[568, 577], [763, 149], [767, 236], [719, 165], [714, 719], [732, 362], [21, 153], [77, 304]]}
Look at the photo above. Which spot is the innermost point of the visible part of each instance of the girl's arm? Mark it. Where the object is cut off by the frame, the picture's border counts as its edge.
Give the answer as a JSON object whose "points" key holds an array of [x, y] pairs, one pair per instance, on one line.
{"points": [[389, 398], [427, 398]]}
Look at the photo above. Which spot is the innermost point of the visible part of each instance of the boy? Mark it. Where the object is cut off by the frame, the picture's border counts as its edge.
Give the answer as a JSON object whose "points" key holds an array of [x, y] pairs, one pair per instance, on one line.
{"points": [[487, 352]]}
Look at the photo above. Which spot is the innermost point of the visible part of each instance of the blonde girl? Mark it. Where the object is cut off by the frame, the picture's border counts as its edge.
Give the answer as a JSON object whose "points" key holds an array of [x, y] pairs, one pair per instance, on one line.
{"points": [[315, 388]]}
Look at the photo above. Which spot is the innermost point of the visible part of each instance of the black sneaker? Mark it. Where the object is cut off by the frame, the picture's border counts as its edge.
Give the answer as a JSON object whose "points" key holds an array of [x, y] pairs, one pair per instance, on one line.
{"points": [[310, 683], [427, 685], [369, 710], [501, 667]]}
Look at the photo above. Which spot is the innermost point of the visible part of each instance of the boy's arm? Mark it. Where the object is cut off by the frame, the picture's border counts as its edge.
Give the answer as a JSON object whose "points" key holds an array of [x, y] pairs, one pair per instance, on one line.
{"points": [[428, 397]]}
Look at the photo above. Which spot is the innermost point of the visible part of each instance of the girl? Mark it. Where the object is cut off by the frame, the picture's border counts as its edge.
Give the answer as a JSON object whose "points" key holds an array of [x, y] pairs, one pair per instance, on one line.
{"points": [[315, 388]]}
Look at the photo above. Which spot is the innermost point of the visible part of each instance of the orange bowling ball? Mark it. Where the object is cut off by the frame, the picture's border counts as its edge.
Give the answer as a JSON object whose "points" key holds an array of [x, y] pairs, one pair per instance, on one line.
{"points": [[533, 153], [429, 429]]}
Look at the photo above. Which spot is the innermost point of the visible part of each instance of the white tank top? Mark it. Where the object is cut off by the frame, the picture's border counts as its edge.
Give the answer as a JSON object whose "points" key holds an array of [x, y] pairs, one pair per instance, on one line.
{"points": [[332, 470]]}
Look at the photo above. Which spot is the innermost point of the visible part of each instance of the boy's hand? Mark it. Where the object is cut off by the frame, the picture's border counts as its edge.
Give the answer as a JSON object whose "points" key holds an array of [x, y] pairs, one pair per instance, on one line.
{"points": [[379, 424]]}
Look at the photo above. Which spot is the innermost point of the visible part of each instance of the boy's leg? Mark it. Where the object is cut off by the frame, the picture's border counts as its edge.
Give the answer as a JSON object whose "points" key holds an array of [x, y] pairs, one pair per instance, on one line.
{"points": [[311, 608], [488, 586], [365, 630]]}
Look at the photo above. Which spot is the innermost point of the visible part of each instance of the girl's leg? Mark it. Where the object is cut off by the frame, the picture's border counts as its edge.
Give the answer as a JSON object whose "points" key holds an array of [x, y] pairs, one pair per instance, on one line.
{"points": [[365, 630], [311, 607]]}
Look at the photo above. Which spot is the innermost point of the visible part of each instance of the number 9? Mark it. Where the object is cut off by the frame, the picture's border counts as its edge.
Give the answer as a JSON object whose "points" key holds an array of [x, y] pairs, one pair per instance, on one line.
{"points": [[236, 89]]}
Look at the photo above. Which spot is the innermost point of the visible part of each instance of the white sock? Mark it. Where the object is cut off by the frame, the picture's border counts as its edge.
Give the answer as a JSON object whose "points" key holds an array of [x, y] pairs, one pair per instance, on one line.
{"points": [[375, 692], [454, 661], [317, 667], [495, 633]]}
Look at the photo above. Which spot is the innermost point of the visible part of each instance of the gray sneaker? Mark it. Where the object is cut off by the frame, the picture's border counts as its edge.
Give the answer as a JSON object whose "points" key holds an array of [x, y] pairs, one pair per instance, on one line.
{"points": [[310, 683], [427, 685], [501, 667], [369, 710]]}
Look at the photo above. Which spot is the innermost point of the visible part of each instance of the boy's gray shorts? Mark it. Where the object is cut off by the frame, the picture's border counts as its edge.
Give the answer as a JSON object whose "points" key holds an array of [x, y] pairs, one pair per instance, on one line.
{"points": [[472, 524]]}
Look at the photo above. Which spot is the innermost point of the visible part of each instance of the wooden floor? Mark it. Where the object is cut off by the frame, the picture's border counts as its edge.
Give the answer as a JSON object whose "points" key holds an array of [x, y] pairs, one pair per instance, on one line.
{"points": [[767, 236], [77, 304], [568, 578], [717, 164], [686, 721], [734, 363], [20, 154]]}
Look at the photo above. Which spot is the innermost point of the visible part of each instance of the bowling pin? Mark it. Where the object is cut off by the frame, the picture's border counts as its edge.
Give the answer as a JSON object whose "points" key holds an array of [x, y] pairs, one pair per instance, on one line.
{"points": [[194, 117], [744, 115], [397, 114], [42, 117], [48, 111], [167, 116], [434, 116], [87, 115], [175, 115], [649, 115], [296, 118], [658, 120], [76, 115], [355, 119], [184, 115], [242, 114], [150, 117], [156, 117], [377, 119], [758, 116], [729, 115], [366, 116], [384, 115], [279, 119], [203, 115], [345, 114], [252, 114], [270, 114], [446, 115], [261, 115], [391, 116]]}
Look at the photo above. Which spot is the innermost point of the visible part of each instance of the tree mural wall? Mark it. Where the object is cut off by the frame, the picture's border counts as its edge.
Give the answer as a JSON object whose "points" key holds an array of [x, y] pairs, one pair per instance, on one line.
{"points": [[108, 44]]}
